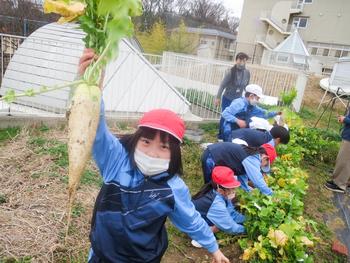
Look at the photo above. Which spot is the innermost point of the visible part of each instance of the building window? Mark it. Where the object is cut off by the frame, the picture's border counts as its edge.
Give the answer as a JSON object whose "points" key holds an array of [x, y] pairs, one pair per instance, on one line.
{"points": [[212, 43], [300, 22], [307, 1], [282, 58], [314, 51], [319, 52], [337, 53], [345, 53], [327, 71], [325, 52], [204, 42]]}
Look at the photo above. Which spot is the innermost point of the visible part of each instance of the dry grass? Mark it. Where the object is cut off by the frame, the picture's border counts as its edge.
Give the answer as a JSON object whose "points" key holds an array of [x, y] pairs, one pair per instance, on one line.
{"points": [[32, 216], [313, 94]]}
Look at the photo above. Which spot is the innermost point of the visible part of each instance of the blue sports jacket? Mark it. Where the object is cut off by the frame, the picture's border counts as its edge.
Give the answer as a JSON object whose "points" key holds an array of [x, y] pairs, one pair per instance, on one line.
{"points": [[253, 138], [219, 211], [131, 209], [241, 109], [245, 167]]}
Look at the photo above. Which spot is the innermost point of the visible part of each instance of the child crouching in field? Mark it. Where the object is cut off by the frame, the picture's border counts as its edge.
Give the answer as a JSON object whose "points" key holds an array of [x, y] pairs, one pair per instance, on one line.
{"points": [[214, 202]]}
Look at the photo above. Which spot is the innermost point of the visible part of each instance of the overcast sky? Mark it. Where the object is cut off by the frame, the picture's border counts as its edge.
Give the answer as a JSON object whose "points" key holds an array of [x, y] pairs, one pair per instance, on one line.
{"points": [[235, 6]]}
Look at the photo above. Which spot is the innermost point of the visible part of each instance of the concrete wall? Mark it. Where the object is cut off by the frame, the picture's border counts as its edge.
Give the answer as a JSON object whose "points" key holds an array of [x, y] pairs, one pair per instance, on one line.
{"points": [[281, 12], [250, 24], [273, 37], [328, 22]]}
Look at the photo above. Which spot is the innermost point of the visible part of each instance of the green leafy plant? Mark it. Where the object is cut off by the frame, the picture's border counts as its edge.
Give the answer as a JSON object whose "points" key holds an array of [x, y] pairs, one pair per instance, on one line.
{"points": [[9, 133], [276, 228], [287, 97]]}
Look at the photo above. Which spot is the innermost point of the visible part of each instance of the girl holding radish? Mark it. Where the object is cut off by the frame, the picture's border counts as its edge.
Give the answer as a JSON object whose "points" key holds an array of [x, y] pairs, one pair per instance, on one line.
{"points": [[141, 188]]}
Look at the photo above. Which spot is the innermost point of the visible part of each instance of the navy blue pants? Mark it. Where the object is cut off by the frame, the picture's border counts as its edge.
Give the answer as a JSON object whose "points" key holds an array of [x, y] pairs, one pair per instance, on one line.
{"points": [[96, 259], [208, 165], [225, 102]]}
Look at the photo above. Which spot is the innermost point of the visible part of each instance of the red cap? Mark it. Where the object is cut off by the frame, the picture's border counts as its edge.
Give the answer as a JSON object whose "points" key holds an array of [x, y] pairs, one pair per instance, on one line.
{"points": [[164, 120], [270, 151], [224, 176]]}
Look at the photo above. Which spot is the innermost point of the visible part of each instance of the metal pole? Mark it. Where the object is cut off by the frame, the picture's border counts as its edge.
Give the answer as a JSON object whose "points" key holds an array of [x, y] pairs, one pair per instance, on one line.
{"points": [[2, 56], [25, 27], [331, 111], [330, 101], [254, 54]]}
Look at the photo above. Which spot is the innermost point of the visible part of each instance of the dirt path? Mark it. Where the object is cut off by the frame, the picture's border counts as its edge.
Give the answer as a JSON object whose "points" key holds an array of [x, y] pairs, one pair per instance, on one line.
{"points": [[33, 202], [313, 94]]}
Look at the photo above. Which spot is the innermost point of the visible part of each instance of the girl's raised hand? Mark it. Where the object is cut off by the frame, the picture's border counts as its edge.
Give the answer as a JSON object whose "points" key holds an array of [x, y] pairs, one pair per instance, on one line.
{"points": [[86, 59]]}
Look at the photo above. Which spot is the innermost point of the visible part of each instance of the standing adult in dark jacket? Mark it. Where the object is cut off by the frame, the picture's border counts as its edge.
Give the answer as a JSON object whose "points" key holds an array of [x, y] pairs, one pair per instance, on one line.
{"points": [[233, 84], [341, 175]]}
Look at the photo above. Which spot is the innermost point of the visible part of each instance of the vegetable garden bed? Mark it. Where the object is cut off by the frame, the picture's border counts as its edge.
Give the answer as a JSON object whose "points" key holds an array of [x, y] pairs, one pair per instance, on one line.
{"points": [[33, 180]]}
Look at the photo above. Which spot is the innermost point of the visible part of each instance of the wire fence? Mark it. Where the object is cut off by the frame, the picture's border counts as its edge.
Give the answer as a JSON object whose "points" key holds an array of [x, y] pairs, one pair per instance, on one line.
{"points": [[19, 26], [8, 46], [196, 79]]}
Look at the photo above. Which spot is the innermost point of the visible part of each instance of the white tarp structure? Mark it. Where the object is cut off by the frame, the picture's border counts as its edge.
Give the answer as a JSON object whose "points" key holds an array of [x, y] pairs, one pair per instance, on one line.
{"points": [[290, 53], [50, 57], [339, 81], [340, 76]]}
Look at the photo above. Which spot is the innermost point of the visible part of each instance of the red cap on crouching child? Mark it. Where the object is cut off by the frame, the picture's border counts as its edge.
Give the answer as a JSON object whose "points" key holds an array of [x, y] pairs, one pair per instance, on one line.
{"points": [[224, 176], [164, 120], [270, 151]]}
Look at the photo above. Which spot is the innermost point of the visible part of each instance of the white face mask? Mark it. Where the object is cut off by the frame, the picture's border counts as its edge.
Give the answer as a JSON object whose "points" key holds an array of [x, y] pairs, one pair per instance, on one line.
{"points": [[150, 166], [231, 196], [254, 102]]}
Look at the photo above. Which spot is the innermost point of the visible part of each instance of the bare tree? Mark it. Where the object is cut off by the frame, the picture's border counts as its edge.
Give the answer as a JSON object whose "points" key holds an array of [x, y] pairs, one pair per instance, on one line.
{"points": [[207, 12], [148, 17], [195, 13], [153, 11], [233, 23], [16, 16]]}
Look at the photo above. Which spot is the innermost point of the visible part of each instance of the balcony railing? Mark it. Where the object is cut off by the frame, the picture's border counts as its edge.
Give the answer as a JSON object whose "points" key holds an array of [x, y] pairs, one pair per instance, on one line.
{"points": [[270, 42], [266, 15]]}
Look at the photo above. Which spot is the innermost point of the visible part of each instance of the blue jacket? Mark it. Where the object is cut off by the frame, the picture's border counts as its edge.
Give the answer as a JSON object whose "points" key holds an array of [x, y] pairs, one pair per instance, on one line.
{"points": [[243, 165], [346, 128], [241, 109], [219, 211], [130, 211], [252, 137]]}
